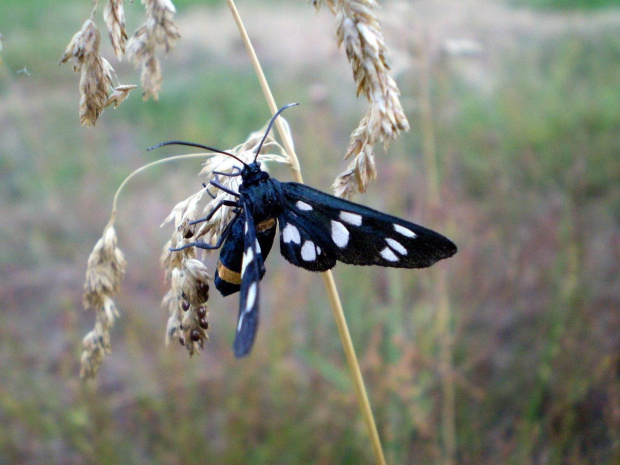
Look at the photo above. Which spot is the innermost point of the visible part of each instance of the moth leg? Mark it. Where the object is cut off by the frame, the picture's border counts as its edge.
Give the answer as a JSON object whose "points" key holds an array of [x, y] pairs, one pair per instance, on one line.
{"points": [[215, 183], [228, 203], [204, 245]]}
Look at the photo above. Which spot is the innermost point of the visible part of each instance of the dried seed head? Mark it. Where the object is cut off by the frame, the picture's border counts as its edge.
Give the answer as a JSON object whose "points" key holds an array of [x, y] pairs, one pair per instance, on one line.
{"points": [[195, 286], [104, 273], [83, 45], [360, 31], [114, 17], [360, 172], [96, 71], [159, 30], [94, 83], [105, 270]]}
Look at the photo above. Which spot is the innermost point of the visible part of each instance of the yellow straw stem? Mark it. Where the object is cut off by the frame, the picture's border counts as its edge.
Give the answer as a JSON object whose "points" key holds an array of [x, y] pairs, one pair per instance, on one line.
{"points": [[328, 278]]}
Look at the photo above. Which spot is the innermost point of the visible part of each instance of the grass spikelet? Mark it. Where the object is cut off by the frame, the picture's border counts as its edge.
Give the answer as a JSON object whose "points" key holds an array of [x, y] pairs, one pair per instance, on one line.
{"points": [[119, 95], [187, 304], [189, 289], [95, 81], [181, 300], [159, 30], [114, 17], [104, 273], [360, 31]]}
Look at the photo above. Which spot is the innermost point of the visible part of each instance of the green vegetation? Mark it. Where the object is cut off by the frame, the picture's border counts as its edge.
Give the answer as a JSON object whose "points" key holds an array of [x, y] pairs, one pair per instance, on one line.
{"points": [[530, 169]]}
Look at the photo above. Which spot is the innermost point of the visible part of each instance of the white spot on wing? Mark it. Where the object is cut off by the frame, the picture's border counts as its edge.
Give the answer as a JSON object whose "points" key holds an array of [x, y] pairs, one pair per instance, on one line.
{"points": [[404, 231], [389, 255], [397, 246], [248, 256], [351, 218], [257, 247], [308, 251], [303, 206], [251, 297], [340, 234], [291, 234]]}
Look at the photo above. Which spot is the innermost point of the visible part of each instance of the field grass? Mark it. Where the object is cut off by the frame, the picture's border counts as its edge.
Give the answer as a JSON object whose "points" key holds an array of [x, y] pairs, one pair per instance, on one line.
{"points": [[527, 140]]}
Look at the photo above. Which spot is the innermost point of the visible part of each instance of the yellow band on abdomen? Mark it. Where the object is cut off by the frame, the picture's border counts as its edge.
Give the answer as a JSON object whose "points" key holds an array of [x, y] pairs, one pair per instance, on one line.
{"points": [[227, 274]]}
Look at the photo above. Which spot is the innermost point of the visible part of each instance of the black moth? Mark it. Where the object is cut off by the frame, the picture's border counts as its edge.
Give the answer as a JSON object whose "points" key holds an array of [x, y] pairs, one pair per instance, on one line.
{"points": [[316, 231]]}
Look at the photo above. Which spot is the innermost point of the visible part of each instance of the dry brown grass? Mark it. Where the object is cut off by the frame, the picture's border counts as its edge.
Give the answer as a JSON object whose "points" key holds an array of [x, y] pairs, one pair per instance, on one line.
{"points": [[104, 273], [358, 28], [158, 31]]}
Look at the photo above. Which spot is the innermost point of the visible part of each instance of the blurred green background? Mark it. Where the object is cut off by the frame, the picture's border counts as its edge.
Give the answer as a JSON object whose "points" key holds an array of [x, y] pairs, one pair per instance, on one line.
{"points": [[524, 100]]}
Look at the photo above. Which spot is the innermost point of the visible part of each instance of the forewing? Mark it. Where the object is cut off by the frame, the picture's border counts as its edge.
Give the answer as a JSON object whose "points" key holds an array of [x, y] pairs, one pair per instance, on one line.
{"points": [[252, 263], [352, 233]]}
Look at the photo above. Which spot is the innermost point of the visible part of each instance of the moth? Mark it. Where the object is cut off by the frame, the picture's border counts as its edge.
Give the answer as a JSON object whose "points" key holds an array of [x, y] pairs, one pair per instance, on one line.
{"points": [[316, 231]]}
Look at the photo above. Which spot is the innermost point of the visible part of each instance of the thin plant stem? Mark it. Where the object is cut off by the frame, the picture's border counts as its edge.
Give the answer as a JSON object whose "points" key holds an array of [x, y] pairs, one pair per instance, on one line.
{"points": [[144, 168], [439, 274], [328, 277]]}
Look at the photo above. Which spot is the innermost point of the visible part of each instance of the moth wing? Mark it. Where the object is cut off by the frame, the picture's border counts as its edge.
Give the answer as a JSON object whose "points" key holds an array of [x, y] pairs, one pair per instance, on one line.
{"points": [[252, 263], [352, 233]]}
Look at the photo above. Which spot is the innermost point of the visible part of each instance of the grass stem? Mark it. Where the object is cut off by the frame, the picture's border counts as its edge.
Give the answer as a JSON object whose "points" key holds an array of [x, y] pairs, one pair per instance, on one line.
{"points": [[328, 278]]}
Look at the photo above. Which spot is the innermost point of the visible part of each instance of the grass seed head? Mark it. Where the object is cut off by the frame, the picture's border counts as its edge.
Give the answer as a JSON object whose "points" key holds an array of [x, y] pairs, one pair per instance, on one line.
{"points": [[104, 273], [105, 270], [114, 17], [359, 30], [159, 30], [187, 305], [83, 45], [96, 71], [95, 81]]}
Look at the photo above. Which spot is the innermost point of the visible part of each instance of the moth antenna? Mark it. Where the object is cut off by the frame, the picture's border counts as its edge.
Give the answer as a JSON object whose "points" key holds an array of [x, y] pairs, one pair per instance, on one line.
{"points": [[200, 146], [273, 119]]}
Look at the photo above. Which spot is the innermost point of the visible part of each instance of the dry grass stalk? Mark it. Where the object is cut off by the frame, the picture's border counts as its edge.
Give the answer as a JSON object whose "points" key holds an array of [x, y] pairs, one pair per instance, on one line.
{"points": [[186, 300], [114, 16], [104, 273], [360, 31], [159, 30]]}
